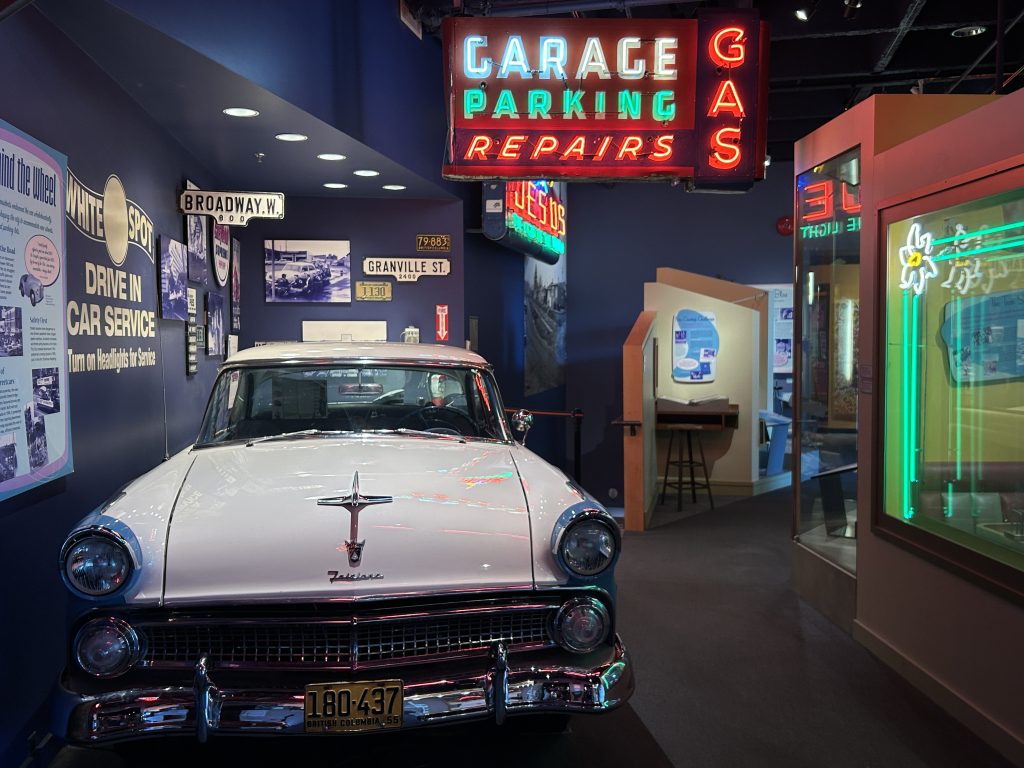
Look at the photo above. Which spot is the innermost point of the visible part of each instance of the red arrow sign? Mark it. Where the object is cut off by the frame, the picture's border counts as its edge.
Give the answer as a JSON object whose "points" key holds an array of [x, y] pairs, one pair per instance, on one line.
{"points": [[441, 322]]}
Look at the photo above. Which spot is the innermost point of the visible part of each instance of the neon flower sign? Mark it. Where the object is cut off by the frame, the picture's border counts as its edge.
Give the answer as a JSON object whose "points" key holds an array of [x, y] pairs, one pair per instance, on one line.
{"points": [[602, 98]]}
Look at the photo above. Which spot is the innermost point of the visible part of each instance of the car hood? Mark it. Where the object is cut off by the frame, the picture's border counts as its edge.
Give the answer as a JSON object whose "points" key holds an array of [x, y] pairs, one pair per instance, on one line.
{"points": [[247, 525]]}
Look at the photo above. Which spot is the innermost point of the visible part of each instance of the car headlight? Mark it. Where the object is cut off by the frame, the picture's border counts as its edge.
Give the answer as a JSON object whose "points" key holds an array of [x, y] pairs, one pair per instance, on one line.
{"points": [[588, 546], [581, 624], [96, 564], [106, 647]]}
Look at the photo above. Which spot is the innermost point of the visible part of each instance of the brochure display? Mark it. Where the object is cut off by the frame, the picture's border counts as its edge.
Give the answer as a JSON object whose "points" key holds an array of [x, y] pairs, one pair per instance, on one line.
{"points": [[35, 435]]}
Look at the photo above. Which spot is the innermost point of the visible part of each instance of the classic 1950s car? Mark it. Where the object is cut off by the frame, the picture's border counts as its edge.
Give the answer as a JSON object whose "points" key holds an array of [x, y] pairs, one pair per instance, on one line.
{"points": [[355, 542]]}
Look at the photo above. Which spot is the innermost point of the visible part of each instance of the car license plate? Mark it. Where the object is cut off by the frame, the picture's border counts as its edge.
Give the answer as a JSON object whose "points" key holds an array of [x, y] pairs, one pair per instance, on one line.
{"points": [[348, 707]]}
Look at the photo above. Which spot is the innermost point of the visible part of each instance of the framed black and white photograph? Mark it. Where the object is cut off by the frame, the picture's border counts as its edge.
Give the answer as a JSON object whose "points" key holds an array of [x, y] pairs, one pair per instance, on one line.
{"points": [[236, 286], [215, 333], [46, 389], [221, 254], [8, 457], [35, 430], [308, 271], [12, 343], [173, 279], [197, 237]]}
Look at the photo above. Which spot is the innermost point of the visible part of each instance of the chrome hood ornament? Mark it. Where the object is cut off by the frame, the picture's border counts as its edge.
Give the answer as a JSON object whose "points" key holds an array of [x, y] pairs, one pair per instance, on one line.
{"points": [[354, 502]]}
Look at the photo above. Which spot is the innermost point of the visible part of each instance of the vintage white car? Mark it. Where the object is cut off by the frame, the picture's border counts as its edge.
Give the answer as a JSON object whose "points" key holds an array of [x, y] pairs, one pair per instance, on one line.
{"points": [[355, 542]]}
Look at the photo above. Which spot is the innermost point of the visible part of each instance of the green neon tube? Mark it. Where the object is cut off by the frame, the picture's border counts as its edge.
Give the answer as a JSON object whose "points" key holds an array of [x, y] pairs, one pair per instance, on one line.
{"points": [[1002, 245], [986, 231]]}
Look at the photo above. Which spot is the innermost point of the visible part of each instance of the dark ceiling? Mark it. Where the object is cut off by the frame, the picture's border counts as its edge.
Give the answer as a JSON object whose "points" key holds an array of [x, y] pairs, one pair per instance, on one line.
{"points": [[836, 58]]}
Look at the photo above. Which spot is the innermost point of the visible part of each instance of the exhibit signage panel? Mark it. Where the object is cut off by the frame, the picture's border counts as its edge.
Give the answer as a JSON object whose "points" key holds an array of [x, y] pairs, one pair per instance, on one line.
{"points": [[695, 346], [607, 98], [35, 433]]}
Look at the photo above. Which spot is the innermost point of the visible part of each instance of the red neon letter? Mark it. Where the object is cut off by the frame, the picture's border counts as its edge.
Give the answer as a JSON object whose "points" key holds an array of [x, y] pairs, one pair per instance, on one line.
{"points": [[726, 139], [546, 145], [603, 148], [664, 145], [851, 199], [575, 149], [513, 144], [479, 146], [824, 200], [735, 52], [727, 100], [630, 146]]}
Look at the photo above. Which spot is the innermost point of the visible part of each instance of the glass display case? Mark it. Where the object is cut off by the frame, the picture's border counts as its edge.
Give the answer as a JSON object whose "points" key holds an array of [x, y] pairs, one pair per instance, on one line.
{"points": [[953, 416], [828, 301]]}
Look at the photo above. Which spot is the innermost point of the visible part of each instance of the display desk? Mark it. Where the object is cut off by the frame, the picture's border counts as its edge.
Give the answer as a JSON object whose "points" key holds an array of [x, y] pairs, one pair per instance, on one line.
{"points": [[707, 416]]}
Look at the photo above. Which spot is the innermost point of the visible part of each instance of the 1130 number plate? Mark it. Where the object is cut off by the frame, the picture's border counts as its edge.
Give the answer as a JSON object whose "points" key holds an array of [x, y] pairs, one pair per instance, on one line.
{"points": [[348, 707]]}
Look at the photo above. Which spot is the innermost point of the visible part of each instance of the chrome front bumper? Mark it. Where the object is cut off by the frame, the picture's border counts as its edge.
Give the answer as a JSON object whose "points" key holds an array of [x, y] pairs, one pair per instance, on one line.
{"points": [[499, 690]]}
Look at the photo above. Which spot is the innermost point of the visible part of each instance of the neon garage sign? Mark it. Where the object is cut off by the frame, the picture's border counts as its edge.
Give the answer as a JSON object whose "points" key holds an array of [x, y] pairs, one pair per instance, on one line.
{"points": [[602, 98]]}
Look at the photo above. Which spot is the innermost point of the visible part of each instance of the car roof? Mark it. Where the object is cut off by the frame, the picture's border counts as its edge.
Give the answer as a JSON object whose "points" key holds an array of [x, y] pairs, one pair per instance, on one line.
{"points": [[325, 352]]}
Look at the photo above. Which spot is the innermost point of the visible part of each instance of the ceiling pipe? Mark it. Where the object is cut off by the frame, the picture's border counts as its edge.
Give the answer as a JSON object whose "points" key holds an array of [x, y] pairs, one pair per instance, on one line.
{"points": [[984, 53], [551, 8], [13, 8]]}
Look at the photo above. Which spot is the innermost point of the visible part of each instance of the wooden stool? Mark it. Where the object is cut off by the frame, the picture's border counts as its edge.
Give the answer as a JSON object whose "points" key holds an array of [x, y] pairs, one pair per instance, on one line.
{"points": [[685, 461]]}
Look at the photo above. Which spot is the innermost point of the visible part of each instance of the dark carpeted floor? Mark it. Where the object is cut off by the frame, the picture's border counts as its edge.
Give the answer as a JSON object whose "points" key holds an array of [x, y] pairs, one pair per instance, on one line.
{"points": [[733, 670]]}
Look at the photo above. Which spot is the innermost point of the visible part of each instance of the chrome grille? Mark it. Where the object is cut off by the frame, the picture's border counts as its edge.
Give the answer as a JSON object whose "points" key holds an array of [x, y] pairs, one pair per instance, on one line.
{"points": [[346, 643]]}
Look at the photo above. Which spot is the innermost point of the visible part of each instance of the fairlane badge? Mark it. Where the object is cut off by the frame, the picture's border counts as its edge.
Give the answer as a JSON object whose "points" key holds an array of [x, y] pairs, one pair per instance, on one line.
{"points": [[354, 502], [338, 576]]}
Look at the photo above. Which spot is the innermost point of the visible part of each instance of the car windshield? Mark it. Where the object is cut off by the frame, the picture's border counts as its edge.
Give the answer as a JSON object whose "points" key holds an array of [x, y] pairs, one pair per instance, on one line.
{"points": [[254, 403]]}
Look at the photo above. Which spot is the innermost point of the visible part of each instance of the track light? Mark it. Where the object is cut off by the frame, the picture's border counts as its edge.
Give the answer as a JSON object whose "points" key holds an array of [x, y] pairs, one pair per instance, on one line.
{"points": [[851, 8], [804, 13]]}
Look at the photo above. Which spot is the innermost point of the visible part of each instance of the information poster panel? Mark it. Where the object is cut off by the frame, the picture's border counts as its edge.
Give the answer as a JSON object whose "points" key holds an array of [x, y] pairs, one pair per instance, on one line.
{"points": [[695, 345], [35, 436], [984, 337]]}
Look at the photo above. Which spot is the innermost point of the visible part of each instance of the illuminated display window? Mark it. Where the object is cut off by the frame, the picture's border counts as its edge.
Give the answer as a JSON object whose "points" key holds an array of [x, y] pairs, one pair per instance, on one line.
{"points": [[954, 374], [828, 254]]}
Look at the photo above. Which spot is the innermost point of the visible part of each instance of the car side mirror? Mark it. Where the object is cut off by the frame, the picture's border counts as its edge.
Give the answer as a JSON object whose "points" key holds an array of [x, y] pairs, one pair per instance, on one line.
{"points": [[522, 420]]}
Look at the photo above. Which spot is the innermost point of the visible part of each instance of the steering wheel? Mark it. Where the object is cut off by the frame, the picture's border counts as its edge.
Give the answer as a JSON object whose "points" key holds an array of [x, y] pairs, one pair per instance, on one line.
{"points": [[436, 418]]}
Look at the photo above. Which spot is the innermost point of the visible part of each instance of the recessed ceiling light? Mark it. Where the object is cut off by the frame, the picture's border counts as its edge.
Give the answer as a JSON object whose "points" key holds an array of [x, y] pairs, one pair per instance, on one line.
{"points": [[366, 173], [330, 156], [335, 185], [240, 112], [801, 13], [394, 187], [970, 31], [291, 137]]}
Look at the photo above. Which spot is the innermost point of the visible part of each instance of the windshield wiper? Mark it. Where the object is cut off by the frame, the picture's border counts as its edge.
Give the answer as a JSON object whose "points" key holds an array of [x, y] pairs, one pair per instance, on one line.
{"points": [[418, 433], [299, 433]]}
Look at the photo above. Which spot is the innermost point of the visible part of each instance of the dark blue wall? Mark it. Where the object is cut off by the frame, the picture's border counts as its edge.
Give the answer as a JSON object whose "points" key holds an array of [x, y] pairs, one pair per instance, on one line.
{"points": [[494, 294], [618, 236], [374, 228], [117, 419]]}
